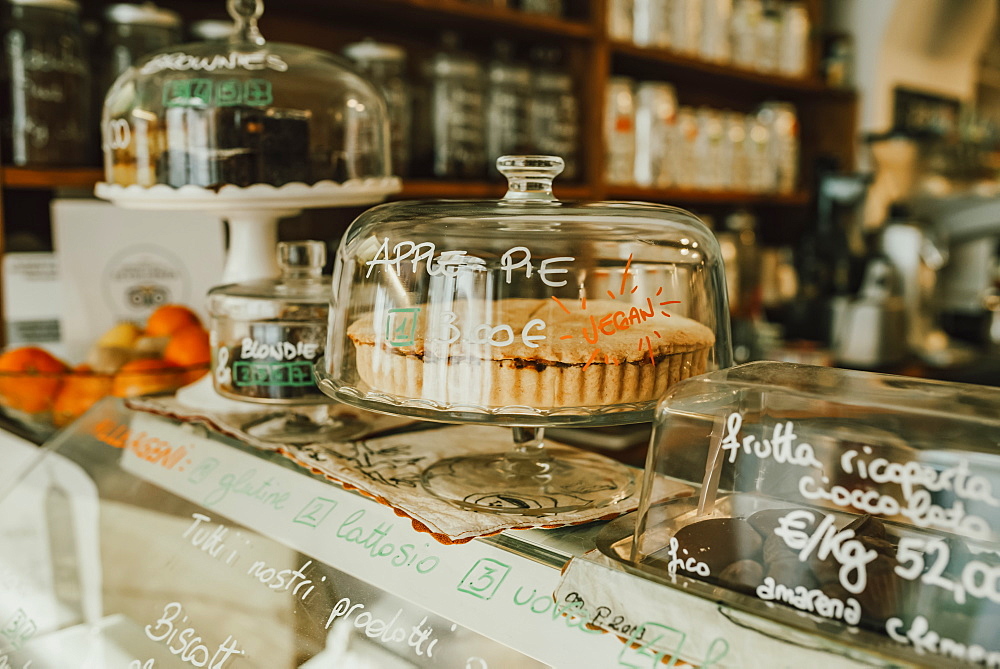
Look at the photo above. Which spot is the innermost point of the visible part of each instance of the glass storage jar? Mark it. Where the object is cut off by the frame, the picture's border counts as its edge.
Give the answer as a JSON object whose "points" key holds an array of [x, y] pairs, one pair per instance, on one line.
{"points": [[131, 32], [455, 105], [385, 65], [268, 334], [508, 104], [45, 106], [554, 111]]}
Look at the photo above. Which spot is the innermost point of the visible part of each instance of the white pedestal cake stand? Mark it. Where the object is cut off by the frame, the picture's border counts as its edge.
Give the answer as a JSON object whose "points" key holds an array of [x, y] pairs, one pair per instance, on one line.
{"points": [[253, 213]]}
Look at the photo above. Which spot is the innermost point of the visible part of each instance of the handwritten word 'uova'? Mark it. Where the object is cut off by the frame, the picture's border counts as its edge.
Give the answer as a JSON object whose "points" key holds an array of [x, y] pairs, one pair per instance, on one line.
{"points": [[387, 632], [573, 613], [450, 263], [186, 644], [781, 446]]}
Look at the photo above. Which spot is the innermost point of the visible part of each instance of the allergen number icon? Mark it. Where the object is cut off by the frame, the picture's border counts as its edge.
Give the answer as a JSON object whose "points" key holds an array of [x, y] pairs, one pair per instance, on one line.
{"points": [[484, 579]]}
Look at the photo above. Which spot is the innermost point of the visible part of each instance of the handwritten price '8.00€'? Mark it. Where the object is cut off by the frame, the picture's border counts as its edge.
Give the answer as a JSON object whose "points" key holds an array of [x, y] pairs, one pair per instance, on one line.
{"points": [[927, 559]]}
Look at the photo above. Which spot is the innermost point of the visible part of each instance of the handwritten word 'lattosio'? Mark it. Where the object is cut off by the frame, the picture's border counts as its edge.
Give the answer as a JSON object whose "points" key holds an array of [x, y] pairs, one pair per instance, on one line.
{"points": [[402, 555]]}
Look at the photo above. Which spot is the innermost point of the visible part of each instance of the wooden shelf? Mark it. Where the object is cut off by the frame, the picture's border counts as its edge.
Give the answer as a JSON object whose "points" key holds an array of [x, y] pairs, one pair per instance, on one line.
{"points": [[691, 196], [447, 13], [668, 64], [435, 188], [50, 177]]}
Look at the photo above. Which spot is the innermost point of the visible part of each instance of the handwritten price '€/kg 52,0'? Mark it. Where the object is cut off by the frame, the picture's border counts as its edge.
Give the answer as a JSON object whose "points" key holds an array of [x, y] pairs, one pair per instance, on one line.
{"points": [[976, 579]]}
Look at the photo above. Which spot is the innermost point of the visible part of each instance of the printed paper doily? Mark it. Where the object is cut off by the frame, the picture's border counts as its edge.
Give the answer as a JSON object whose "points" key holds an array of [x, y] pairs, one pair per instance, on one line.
{"points": [[387, 469]]}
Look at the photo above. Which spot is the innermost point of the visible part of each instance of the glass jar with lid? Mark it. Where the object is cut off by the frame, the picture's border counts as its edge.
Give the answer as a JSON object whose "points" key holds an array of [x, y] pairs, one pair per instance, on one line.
{"points": [[45, 78], [385, 65], [243, 112], [268, 334], [508, 103], [554, 110], [130, 32], [525, 312], [456, 120]]}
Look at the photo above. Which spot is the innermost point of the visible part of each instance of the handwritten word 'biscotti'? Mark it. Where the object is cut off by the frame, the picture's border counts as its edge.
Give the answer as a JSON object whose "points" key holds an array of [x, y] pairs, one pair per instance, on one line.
{"points": [[425, 257], [185, 644]]}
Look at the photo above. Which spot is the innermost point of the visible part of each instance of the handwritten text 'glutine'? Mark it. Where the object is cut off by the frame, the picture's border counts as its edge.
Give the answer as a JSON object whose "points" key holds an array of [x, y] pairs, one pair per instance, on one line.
{"points": [[451, 263]]}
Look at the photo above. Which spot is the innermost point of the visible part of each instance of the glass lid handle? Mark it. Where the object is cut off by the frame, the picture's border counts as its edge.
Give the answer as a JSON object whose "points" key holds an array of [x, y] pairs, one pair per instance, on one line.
{"points": [[302, 260], [245, 13], [530, 177]]}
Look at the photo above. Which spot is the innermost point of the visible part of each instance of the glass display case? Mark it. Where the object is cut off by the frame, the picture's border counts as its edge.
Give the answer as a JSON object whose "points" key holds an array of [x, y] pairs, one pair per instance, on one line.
{"points": [[833, 503]]}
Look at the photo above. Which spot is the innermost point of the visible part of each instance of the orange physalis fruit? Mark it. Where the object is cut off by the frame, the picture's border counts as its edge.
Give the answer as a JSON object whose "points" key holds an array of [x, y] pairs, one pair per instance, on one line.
{"points": [[147, 376], [30, 378], [188, 347], [170, 318]]}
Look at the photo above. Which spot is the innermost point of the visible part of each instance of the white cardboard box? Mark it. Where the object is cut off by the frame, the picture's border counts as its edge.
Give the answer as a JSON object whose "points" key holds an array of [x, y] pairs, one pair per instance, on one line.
{"points": [[120, 264]]}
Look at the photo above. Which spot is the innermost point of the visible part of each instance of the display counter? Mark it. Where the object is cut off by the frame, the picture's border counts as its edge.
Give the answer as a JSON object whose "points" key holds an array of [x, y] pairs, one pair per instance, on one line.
{"points": [[136, 541]]}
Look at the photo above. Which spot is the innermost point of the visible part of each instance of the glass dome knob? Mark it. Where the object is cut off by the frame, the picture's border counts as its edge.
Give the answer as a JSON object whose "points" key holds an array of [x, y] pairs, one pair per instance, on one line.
{"points": [[301, 259], [530, 177], [245, 13]]}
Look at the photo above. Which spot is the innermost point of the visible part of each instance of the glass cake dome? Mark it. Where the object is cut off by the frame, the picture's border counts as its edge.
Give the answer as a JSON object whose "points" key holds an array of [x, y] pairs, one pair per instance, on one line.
{"points": [[241, 112], [527, 310], [524, 312]]}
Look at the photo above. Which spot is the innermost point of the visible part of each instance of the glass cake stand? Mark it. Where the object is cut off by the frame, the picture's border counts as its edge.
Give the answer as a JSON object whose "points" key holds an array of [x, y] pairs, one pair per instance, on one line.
{"points": [[526, 312]]}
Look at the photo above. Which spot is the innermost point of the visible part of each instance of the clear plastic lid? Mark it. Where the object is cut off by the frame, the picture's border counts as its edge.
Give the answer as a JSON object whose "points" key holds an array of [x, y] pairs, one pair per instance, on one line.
{"points": [[524, 311], [241, 112], [868, 502]]}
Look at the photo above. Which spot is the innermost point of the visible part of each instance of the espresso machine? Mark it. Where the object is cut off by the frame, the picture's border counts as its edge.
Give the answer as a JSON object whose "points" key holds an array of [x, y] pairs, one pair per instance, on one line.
{"points": [[968, 227]]}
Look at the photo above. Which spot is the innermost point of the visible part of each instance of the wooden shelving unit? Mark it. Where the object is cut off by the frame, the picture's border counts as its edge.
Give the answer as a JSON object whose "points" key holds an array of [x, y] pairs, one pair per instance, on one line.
{"points": [[707, 197], [827, 116], [50, 177]]}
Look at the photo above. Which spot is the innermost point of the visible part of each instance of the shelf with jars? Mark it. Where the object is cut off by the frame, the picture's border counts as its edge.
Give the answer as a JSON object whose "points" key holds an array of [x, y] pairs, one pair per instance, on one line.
{"points": [[566, 60]]}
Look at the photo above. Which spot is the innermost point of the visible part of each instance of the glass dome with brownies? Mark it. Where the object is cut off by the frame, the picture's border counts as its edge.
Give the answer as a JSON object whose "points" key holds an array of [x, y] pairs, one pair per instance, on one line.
{"points": [[524, 312], [247, 118], [830, 501]]}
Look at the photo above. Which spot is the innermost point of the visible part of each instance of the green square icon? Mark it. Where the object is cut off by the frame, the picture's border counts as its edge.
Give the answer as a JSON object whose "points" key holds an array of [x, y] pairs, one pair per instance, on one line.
{"points": [[228, 93], [401, 326], [484, 579], [176, 93], [201, 93], [257, 92]]}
